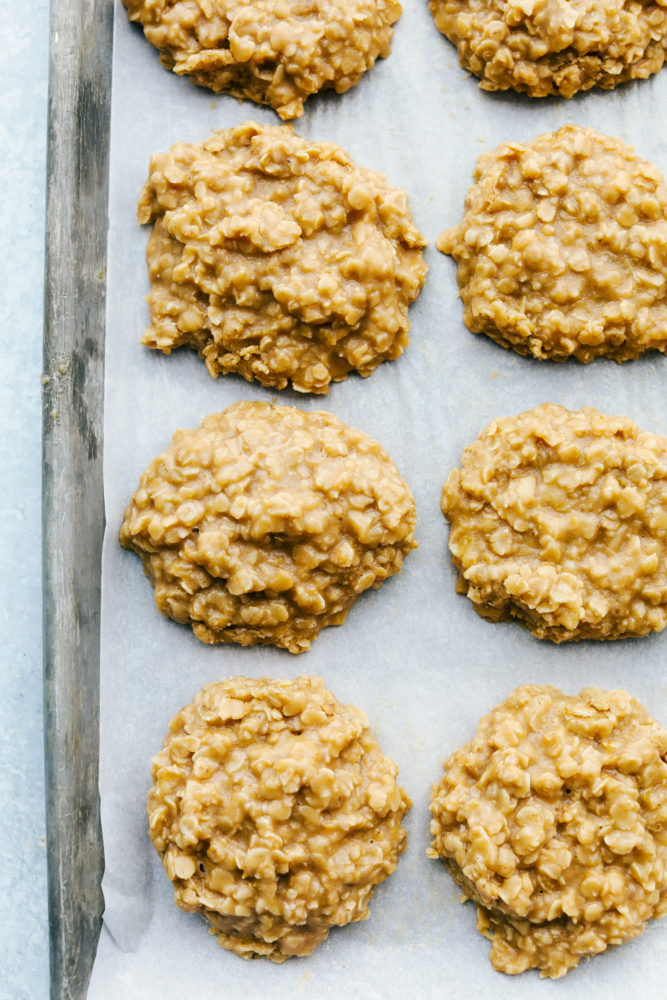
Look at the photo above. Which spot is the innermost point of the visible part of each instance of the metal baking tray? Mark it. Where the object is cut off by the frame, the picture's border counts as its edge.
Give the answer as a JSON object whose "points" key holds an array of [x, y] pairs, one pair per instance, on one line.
{"points": [[73, 510], [77, 225]]}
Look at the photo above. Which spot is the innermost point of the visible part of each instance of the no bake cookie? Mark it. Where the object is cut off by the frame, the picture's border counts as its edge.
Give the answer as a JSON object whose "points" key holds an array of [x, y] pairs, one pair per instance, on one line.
{"points": [[275, 52], [275, 813], [558, 520], [562, 250], [538, 47], [266, 524], [553, 820], [278, 258]]}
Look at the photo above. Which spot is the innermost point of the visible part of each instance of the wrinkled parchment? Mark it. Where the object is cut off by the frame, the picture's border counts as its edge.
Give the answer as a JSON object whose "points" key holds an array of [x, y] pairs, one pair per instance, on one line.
{"points": [[413, 654]]}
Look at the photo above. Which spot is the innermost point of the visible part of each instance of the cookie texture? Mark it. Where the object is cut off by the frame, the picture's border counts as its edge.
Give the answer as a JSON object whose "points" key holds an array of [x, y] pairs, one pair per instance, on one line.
{"points": [[562, 250], [275, 813], [275, 52], [558, 519], [277, 258], [266, 524], [538, 47], [553, 819]]}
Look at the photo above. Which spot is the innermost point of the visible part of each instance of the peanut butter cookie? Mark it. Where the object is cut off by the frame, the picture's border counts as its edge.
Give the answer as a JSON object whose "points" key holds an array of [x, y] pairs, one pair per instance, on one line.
{"points": [[558, 519], [266, 524], [553, 820], [540, 48], [562, 251], [278, 259], [275, 52], [275, 813]]}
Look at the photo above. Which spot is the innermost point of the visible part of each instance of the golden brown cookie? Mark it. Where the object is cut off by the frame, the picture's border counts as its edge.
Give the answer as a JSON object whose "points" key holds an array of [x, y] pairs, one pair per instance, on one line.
{"points": [[558, 519], [562, 251], [278, 259], [275, 813], [553, 820], [266, 523], [538, 47], [275, 52]]}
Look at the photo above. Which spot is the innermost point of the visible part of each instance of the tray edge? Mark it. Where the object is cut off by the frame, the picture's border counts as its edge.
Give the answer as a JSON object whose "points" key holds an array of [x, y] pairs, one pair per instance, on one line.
{"points": [[81, 34]]}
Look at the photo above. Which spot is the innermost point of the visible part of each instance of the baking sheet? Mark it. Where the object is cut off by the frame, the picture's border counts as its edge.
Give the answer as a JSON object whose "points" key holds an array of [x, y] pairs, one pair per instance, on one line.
{"points": [[413, 654]]}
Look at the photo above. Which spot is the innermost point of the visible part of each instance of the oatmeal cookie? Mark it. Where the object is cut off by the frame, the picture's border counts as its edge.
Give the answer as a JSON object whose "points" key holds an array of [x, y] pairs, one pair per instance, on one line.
{"points": [[266, 524], [275, 52], [553, 819], [558, 519], [278, 259], [562, 251], [275, 813], [540, 48]]}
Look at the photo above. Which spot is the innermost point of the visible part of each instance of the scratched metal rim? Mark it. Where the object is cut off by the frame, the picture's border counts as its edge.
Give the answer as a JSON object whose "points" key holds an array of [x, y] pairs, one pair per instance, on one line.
{"points": [[81, 36]]}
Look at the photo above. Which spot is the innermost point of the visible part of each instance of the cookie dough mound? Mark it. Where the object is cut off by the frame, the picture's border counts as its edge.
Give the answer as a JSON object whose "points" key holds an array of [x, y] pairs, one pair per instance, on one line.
{"points": [[278, 259], [275, 52], [266, 524], [562, 251], [275, 813], [553, 819], [558, 519], [540, 48]]}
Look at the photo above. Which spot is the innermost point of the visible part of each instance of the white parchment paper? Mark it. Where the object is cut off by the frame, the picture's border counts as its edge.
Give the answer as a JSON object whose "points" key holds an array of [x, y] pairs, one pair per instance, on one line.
{"points": [[413, 654]]}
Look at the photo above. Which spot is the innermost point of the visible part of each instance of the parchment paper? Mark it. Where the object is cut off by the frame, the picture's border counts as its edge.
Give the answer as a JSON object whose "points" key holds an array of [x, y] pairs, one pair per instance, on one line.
{"points": [[413, 654]]}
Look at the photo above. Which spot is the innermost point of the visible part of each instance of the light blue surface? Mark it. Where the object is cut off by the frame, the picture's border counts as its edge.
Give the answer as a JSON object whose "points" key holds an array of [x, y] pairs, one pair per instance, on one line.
{"points": [[23, 916]]}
